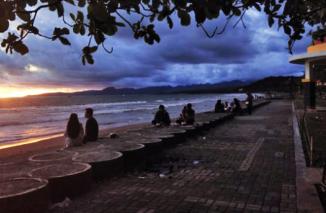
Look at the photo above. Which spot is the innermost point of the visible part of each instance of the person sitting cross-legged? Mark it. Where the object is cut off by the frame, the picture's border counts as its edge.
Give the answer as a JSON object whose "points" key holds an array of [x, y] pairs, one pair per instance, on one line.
{"points": [[219, 107], [162, 117], [187, 116]]}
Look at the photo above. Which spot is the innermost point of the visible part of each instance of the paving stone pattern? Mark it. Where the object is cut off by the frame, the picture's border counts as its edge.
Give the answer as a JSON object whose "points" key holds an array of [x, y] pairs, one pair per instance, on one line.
{"points": [[244, 165]]}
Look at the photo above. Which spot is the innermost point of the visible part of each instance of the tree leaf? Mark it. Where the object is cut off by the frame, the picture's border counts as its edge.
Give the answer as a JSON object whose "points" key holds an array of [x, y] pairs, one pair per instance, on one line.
{"points": [[270, 21], [60, 9], [23, 15], [20, 47], [4, 25], [184, 17], [89, 59], [170, 22], [31, 2], [92, 49], [64, 40], [72, 16]]}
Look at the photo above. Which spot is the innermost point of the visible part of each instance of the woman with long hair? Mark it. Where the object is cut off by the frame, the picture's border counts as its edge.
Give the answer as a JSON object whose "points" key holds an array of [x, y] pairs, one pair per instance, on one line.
{"points": [[74, 132]]}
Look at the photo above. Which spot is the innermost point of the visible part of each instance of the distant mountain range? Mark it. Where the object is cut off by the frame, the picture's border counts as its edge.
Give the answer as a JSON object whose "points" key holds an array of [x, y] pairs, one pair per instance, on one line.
{"points": [[227, 86], [276, 84], [266, 84]]}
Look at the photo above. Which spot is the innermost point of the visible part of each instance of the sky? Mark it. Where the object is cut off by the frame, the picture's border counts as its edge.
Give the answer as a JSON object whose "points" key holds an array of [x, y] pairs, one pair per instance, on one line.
{"points": [[184, 56]]}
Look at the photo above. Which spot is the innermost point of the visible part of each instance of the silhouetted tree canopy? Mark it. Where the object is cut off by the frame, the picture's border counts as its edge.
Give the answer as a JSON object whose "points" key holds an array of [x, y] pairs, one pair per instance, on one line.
{"points": [[100, 19]]}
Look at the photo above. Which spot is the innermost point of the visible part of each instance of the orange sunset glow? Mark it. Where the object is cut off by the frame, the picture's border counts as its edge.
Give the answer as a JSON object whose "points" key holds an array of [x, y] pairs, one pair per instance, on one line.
{"points": [[21, 91]]}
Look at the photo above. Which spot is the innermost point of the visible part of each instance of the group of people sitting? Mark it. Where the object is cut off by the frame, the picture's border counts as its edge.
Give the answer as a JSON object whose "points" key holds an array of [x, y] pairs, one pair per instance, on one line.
{"points": [[76, 136], [235, 106], [162, 117]]}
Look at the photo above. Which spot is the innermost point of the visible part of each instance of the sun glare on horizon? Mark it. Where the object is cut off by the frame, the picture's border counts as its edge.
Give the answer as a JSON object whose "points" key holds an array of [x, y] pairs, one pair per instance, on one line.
{"points": [[21, 91]]}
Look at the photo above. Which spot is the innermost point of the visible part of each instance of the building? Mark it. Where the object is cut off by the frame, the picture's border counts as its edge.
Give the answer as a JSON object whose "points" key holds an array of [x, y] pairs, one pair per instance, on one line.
{"points": [[314, 62]]}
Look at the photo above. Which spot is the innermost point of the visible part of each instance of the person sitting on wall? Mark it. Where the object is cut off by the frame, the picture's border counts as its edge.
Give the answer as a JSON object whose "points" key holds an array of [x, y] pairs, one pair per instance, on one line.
{"points": [[219, 107], [74, 132], [227, 107], [91, 128], [236, 106], [190, 115], [162, 117], [182, 117]]}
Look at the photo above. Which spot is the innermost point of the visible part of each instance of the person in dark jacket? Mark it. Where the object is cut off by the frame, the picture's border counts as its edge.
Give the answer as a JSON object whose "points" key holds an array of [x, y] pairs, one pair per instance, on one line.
{"points": [[162, 117], [190, 115], [219, 107], [91, 128]]}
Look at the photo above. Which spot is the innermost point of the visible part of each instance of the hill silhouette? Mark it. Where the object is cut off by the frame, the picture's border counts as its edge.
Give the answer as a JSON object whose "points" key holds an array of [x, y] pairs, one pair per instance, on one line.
{"points": [[276, 84]]}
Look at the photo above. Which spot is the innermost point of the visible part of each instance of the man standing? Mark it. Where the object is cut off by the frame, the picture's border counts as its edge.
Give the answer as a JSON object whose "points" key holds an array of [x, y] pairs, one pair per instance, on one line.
{"points": [[91, 128], [249, 102]]}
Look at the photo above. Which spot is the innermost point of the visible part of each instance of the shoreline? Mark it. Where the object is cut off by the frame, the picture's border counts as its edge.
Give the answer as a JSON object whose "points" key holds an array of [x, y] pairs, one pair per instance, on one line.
{"points": [[24, 150], [21, 150]]}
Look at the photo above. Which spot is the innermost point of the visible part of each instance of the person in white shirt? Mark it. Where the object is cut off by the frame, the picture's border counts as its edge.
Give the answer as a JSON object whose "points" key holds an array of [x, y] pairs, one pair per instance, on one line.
{"points": [[74, 134]]}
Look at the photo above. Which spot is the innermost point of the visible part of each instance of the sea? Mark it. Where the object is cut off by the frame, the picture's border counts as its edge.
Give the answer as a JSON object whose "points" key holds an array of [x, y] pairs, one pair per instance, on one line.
{"points": [[42, 117]]}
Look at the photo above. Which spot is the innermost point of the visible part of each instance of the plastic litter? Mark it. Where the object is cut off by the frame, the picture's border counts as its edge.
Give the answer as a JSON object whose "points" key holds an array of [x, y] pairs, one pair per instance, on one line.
{"points": [[162, 175], [195, 162], [63, 204]]}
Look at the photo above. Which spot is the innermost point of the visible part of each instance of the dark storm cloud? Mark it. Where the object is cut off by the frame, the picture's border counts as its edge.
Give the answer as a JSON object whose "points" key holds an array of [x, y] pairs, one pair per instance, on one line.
{"points": [[184, 56]]}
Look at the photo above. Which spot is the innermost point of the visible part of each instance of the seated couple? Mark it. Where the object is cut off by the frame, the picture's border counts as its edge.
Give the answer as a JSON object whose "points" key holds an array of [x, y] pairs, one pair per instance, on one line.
{"points": [[74, 134], [162, 117], [235, 106]]}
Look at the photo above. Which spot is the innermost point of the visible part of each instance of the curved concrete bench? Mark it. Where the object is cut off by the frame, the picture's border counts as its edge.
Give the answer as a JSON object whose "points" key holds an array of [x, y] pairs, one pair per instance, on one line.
{"points": [[51, 157], [16, 169], [217, 118], [24, 195], [167, 138], [206, 119], [133, 153], [203, 125], [179, 134], [88, 147], [105, 163], [65, 179], [191, 130], [152, 144]]}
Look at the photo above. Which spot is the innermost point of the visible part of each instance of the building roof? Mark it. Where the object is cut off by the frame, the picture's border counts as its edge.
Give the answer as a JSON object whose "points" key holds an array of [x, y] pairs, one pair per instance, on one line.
{"points": [[315, 57]]}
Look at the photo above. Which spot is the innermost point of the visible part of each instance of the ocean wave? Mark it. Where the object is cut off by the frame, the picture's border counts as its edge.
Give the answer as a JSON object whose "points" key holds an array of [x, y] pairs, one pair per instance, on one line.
{"points": [[69, 107], [116, 111]]}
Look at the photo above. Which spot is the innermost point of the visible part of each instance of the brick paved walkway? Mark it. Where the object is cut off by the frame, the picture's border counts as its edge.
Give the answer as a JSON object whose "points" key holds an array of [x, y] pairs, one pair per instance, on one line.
{"points": [[244, 165]]}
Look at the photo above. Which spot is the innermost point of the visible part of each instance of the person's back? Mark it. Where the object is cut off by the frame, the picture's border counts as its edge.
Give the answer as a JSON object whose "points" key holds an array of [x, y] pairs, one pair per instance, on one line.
{"points": [[219, 107], [237, 107], [162, 117], [190, 115], [91, 128], [74, 132]]}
